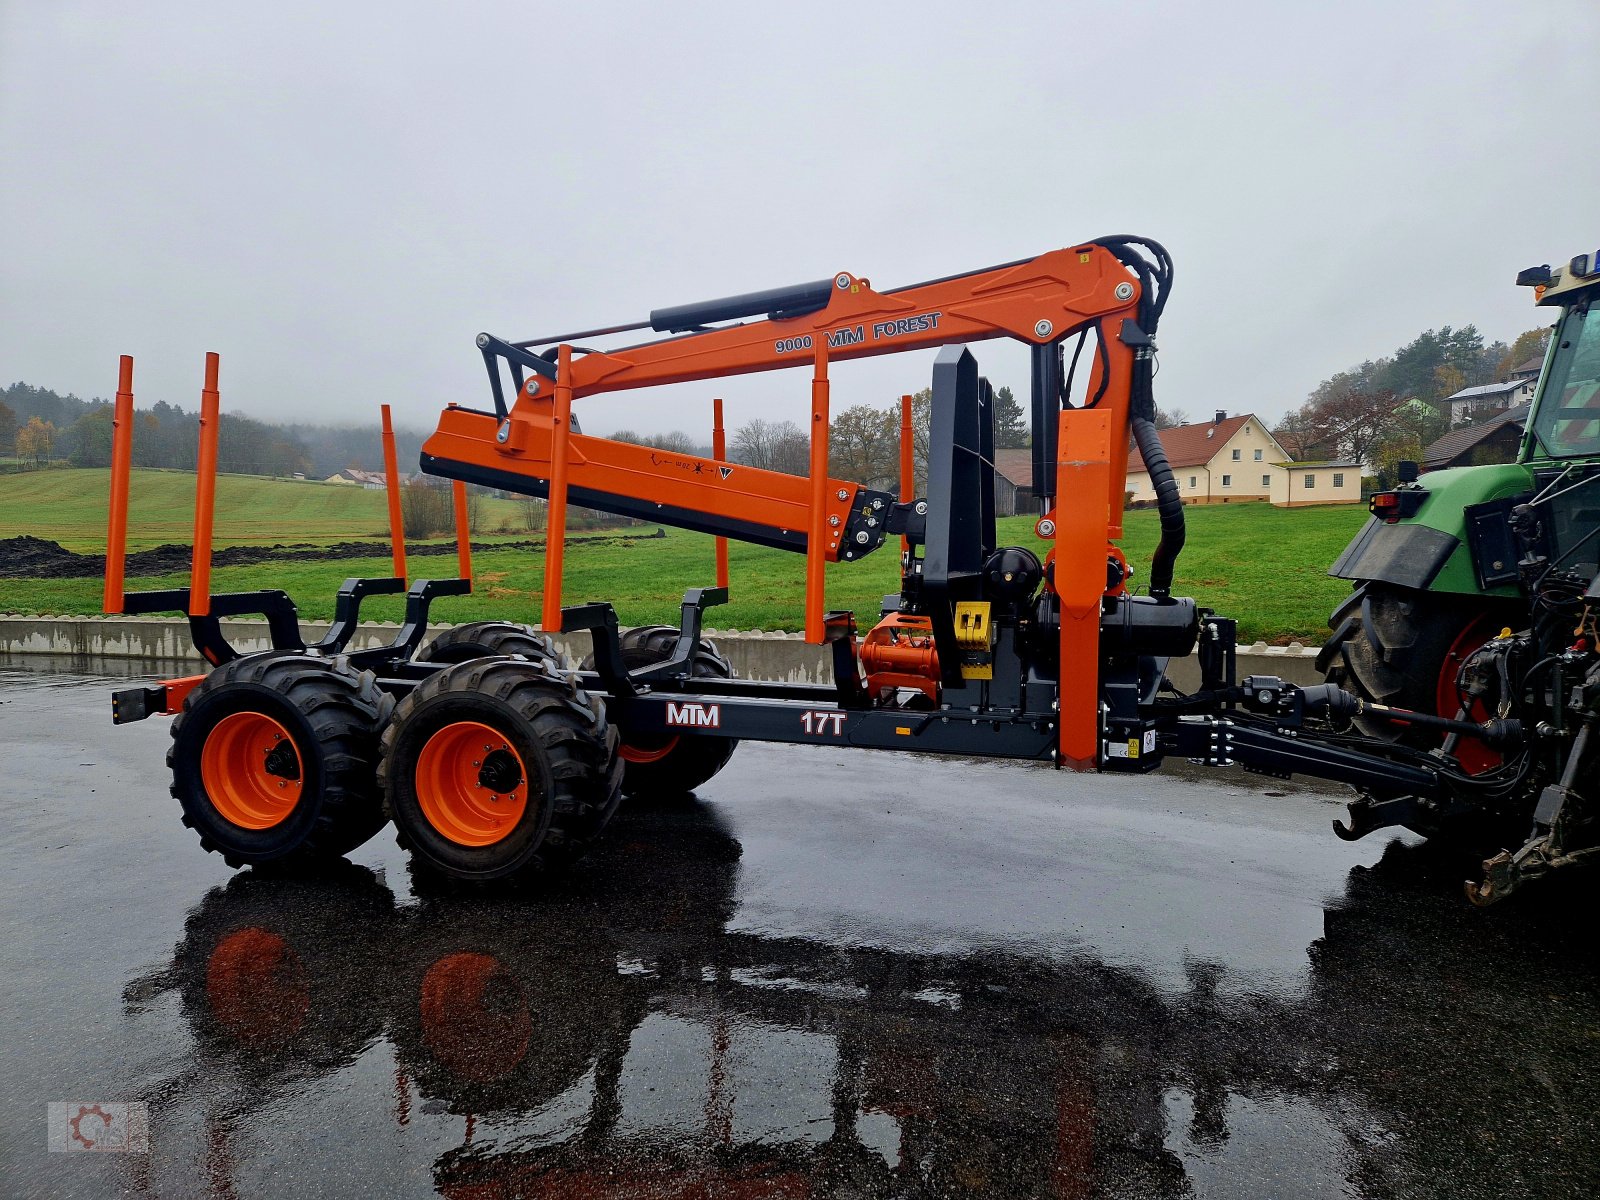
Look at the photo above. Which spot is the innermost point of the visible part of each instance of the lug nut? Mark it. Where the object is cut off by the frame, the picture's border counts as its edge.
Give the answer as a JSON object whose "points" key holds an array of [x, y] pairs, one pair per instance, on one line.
{"points": [[843, 495]]}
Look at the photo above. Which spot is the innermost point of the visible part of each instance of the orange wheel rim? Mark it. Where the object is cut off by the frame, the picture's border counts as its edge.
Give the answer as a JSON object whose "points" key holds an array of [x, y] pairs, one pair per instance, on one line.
{"points": [[257, 987], [471, 785], [647, 754], [475, 1016], [251, 770]]}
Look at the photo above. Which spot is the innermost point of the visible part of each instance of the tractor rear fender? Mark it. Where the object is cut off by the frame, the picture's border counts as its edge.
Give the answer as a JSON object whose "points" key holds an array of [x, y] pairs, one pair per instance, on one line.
{"points": [[1428, 551]]}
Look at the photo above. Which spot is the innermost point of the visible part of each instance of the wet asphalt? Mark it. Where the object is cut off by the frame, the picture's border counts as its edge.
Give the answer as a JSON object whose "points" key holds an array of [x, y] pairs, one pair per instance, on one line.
{"points": [[828, 974]]}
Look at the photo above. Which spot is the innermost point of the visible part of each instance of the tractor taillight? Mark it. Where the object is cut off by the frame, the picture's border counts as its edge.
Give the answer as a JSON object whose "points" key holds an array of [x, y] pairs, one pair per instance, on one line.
{"points": [[1391, 506]]}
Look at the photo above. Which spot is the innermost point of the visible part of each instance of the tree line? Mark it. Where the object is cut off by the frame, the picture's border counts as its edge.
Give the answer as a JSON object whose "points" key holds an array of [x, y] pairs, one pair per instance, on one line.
{"points": [[42, 426], [1389, 409]]}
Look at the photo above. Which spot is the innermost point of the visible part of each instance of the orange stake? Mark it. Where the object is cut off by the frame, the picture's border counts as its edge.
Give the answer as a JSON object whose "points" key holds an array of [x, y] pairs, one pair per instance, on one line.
{"points": [[555, 533], [391, 483], [463, 532], [719, 451], [205, 493], [908, 461], [121, 465], [816, 537]]}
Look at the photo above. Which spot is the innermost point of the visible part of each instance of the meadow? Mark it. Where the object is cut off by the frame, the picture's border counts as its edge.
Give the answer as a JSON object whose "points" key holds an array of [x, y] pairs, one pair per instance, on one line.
{"points": [[1265, 566]]}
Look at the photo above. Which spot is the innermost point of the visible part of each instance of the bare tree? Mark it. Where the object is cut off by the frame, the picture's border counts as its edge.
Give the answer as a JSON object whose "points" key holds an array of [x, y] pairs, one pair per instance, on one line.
{"points": [[476, 509], [425, 507], [772, 446], [1351, 420], [674, 442]]}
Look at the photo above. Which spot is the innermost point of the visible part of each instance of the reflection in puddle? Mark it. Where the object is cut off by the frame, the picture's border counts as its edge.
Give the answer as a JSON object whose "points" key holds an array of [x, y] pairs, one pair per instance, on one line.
{"points": [[617, 1038], [1271, 1145]]}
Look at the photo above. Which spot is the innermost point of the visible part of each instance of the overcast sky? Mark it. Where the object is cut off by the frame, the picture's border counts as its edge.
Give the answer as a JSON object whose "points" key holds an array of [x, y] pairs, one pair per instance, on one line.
{"points": [[338, 197]]}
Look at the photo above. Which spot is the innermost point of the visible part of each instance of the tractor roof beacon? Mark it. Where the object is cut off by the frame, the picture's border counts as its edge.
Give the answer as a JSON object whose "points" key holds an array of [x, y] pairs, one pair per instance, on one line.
{"points": [[495, 758]]}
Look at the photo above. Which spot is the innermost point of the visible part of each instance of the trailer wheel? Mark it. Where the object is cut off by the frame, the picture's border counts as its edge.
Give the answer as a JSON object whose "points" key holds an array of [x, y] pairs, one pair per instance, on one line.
{"points": [[491, 639], [1403, 648], [499, 766], [670, 765], [273, 759]]}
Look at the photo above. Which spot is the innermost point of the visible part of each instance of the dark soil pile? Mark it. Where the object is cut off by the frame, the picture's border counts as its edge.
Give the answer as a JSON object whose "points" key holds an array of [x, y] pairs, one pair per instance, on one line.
{"points": [[28, 557]]}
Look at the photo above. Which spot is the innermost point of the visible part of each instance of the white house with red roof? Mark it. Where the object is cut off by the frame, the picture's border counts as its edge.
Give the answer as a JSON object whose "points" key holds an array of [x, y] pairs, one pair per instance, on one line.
{"points": [[1226, 459]]}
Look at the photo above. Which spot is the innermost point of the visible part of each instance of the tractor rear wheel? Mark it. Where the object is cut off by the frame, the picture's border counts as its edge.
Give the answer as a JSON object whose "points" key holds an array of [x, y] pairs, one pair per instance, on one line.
{"points": [[496, 767], [1404, 648], [668, 765], [273, 759], [491, 639]]}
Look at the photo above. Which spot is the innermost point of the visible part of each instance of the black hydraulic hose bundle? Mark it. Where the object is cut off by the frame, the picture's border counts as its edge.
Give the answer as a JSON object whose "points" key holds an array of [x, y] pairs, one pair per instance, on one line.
{"points": [[1168, 503], [1156, 280]]}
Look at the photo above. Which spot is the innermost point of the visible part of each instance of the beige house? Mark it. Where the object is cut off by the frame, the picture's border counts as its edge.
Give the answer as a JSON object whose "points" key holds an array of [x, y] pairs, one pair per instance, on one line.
{"points": [[1299, 483], [1226, 459]]}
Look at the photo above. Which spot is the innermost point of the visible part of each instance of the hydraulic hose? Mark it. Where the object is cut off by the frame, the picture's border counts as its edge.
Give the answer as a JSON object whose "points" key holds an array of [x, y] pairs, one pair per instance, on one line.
{"points": [[1168, 502], [1155, 279]]}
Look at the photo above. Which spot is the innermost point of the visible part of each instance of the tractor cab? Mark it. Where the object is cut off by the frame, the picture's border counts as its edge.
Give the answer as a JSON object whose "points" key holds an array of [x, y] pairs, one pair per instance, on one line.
{"points": [[1565, 423]]}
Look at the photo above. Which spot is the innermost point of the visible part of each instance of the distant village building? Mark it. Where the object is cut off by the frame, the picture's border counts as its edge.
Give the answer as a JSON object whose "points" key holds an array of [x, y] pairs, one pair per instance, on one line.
{"points": [[371, 480], [1475, 403], [1494, 440], [1013, 482], [1220, 461], [1334, 481], [1529, 369]]}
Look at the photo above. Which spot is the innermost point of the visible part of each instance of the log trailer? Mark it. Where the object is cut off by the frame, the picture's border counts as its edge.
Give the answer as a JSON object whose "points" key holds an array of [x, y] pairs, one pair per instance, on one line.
{"points": [[495, 758]]}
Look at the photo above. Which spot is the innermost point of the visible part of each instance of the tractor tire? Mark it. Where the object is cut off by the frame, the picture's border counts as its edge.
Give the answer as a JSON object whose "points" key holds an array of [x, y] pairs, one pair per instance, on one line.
{"points": [[498, 767], [670, 766], [273, 759], [1403, 648], [491, 639]]}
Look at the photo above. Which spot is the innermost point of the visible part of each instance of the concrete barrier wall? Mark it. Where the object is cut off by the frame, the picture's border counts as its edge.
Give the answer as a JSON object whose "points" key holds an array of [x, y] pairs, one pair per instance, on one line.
{"points": [[754, 655]]}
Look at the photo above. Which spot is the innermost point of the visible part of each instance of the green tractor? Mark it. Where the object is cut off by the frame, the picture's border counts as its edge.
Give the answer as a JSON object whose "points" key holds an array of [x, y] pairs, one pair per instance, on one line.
{"points": [[1436, 567]]}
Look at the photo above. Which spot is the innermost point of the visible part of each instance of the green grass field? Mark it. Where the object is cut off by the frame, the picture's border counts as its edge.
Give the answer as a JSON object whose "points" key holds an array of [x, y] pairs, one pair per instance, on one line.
{"points": [[69, 506], [1263, 565]]}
